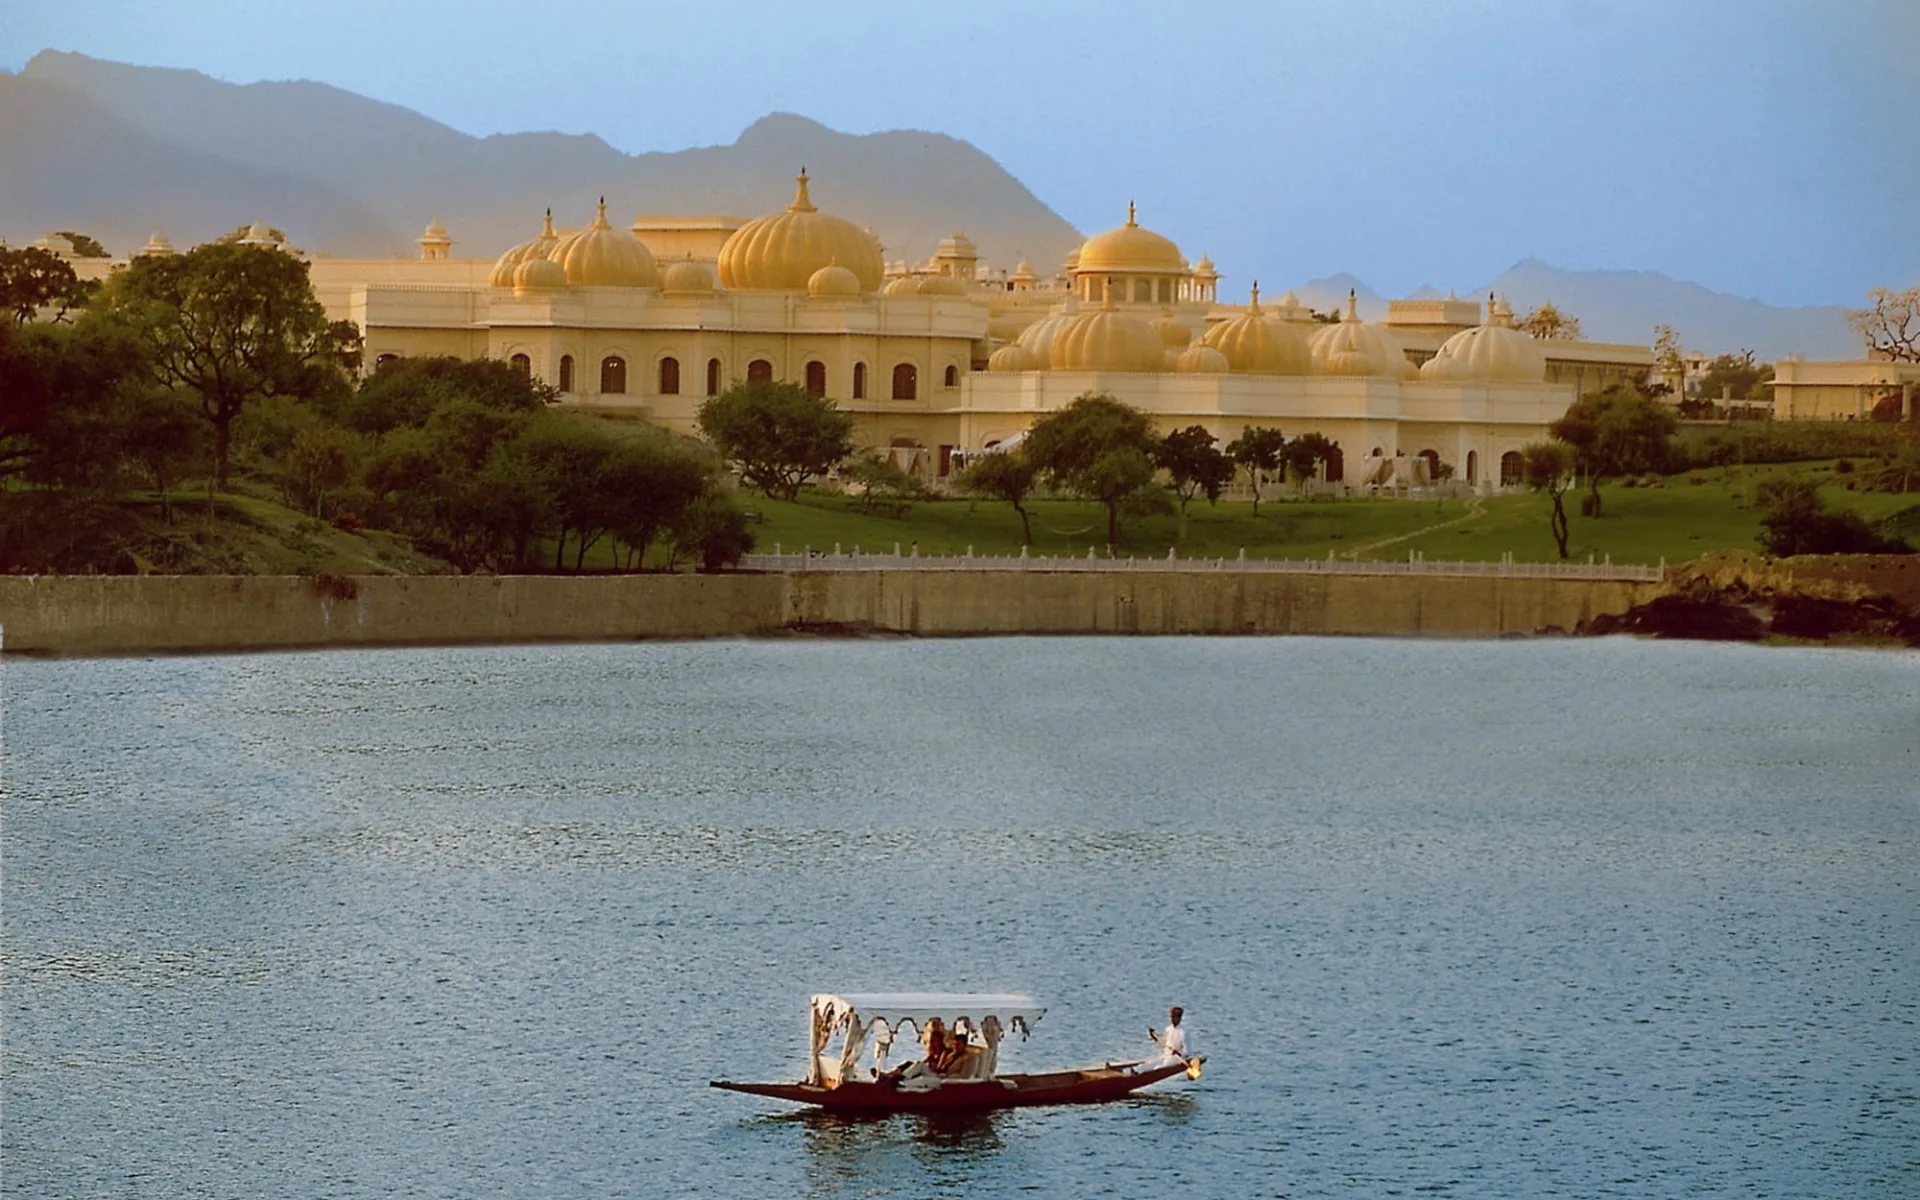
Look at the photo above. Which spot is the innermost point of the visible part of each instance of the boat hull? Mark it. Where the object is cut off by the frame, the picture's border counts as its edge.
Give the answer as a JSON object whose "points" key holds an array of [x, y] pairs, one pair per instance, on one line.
{"points": [[1091, 1085]]}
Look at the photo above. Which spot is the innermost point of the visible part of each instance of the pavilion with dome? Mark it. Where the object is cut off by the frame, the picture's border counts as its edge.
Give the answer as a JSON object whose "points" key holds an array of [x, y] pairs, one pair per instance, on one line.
{"points": [[944, 357]]}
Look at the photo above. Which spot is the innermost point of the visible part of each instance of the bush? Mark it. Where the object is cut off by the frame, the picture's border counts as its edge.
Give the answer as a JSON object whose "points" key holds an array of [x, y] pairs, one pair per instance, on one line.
{"points": [[1843, 466]]}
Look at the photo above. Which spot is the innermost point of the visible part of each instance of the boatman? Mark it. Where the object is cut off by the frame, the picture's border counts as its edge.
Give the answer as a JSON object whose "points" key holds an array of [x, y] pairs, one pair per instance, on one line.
{"points": [[1172, 1040]]}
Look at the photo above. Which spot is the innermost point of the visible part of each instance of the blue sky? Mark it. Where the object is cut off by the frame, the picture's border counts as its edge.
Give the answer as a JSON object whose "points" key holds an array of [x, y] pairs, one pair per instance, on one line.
{"points": [[1759, 147]]}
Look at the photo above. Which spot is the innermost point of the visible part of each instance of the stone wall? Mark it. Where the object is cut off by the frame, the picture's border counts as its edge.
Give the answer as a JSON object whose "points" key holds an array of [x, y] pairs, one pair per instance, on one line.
{"points": [[141, 614]]}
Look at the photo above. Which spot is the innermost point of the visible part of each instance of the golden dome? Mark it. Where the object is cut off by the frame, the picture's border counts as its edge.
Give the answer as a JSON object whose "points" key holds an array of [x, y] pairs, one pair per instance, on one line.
{"points": [[158, 246], [688, 278], [1006, 327], [1130, 248], [602, 256], [502, 276], [1038, 337], [1204, 269], [941, 285], [833, 282], [1495, 352], [537, 274], [1107, 340], [1351, 347], [956, 245], [1172, 332], [905, 285], [1024, 272], [1261, 344], [782, 251], [1200, 359], [1015, 358]]}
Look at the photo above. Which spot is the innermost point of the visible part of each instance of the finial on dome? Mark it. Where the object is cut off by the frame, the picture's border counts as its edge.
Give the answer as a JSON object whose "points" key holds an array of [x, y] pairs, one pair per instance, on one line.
{"points": [[1353, 306], [801, 201], [1255, 306], [1130, 219], [548, 231], [600, 218]]}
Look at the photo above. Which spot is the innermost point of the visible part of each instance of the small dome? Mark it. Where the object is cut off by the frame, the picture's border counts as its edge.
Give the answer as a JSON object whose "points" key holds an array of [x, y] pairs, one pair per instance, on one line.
{"points": [[906, 285], [1495, 352], [956, 245], [1024, 272], [1014, 358], [688, 278], [602, 256], [1261, 344], [502, 275], [1130, 248], [436, 232], [1107, 340], [782, 251], [158, 246], [539, 274], [1204, 269], [941, 285], [1038, 337], [833, 282], [1201, 359], [1172, 332], [259, 235], [1006, 327], [1352, 347]]}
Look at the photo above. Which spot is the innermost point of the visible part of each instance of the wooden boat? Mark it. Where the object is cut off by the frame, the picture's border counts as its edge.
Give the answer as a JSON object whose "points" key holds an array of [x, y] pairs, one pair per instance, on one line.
{"points": [[843, 1025]]}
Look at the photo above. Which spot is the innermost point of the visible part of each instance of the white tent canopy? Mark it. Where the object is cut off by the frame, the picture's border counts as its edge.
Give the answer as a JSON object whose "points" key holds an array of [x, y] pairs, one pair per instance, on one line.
{"points": [[856, 1015]]}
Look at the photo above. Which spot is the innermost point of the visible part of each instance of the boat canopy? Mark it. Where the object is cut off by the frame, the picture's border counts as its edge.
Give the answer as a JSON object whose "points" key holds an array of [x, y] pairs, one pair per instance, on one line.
{"points": [[916, 1008], [858, 1016]]}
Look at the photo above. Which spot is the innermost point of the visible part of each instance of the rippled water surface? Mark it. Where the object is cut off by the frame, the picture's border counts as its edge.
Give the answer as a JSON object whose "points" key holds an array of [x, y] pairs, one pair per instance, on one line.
{"points": [[1449, 918]]}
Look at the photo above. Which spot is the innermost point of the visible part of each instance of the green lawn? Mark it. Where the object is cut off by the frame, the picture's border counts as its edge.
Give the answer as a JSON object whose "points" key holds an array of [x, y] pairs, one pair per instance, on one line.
{"points": [[1679, 519]]}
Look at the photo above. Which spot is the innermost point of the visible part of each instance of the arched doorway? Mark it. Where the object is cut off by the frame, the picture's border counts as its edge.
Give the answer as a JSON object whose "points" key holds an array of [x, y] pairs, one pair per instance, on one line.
{"points": [[522, 364], [566, 372], [859, 381], [906, 382], [613, 375], [713, 377], [1473, 467], [816, 379], [759, 371], [1433, 464], [669, 376], [1511, 474]]}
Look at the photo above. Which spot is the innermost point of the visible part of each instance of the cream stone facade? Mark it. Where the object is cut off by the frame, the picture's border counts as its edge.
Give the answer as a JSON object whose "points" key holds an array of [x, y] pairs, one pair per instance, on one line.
{"points": [[952, 356], [1843, 390]]}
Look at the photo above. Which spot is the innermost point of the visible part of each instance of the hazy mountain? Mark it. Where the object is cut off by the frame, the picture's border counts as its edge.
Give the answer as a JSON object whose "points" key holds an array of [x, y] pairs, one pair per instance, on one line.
{"points": [[67, 164], [913, 188]]}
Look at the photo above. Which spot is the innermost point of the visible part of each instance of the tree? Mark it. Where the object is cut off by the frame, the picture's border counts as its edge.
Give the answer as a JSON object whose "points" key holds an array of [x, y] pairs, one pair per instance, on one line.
{"points": [[1735, 376], [232, 324], [1545, 466], [1795, 520], [1259, 450], [1007, 475], [83, 245], [648, 485], [1193, 467], [881, 482], [319, 461], [1305, 453], [1550, 324], [1615, 432], [713, 530], [408, 391], [32, 279], [572, 461], [780, 435], [1099, 448], [1890, 323]]}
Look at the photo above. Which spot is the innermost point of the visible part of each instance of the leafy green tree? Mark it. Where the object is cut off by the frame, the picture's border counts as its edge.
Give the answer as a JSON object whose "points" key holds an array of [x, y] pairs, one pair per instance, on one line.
{"points": [[1615, 432], [778, 434], [1008, 475], [712, 530], [233, 325], [572, 462], [32, 279], [1795, 520], [1305, 453], [1194, 467], [1099, 448], [1259, 449], [648, 485], [1736, 376], [1547, 467], [83, 245], [408, 391], [320, 461], [883, 483]]}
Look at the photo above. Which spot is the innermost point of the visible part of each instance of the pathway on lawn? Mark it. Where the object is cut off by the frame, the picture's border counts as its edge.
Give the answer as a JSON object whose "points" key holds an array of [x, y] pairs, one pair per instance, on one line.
{"points": [[1475, 509]]}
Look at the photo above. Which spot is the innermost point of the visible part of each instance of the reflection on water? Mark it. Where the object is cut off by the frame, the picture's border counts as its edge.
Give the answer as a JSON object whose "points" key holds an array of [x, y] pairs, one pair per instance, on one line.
{"points": [[929, 1153]]}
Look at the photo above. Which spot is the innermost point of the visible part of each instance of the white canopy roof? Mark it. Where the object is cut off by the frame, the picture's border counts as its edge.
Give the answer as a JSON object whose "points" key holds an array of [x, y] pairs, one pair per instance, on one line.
{"points": [[895, 1007]]}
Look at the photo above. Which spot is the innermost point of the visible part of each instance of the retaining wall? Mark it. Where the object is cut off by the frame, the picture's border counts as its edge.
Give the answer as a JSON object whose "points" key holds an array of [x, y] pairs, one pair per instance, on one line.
{"points": [[130, 614]]}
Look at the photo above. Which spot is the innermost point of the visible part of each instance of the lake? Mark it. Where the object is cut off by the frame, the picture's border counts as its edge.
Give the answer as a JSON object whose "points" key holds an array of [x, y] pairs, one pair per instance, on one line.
{"points": [[1518, 918]]}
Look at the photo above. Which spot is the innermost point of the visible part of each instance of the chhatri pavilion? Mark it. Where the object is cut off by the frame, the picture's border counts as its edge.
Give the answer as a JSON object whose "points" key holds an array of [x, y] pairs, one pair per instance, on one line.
{"points": [[949, 357]]}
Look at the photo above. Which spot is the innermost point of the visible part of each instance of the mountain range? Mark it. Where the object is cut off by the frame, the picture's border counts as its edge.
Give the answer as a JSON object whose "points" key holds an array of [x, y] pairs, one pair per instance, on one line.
{"points": [[118, 151]]}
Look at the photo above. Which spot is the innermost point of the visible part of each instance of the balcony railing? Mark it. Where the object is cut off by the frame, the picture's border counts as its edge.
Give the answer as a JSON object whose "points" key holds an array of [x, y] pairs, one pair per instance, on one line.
{"points": [[809, 559]]}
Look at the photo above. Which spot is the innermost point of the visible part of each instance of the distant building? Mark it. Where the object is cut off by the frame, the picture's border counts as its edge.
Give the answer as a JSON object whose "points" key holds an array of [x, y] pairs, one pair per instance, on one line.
{"points": [[1842, 390]]}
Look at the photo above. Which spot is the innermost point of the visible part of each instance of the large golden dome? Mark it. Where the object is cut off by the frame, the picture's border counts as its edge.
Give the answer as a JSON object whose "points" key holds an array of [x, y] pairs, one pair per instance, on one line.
{"points": [[1495, 352], [782, 251], [1261, 344], [502, 276], [1108, 341], [602, 256], [1351, 347], [1130, 248]]}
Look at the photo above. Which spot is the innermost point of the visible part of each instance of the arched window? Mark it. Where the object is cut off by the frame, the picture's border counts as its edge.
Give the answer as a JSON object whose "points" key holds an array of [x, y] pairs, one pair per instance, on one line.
{"points": [[816, 379], [566, 372], [759, 371], [1336, 465], [1433, 464], [522, 364], [951, 378], [713, 377], [613, 375], [906, 382], [1473, 467], [1510, 471], [859, 381], [384, 359], [669, 376]]}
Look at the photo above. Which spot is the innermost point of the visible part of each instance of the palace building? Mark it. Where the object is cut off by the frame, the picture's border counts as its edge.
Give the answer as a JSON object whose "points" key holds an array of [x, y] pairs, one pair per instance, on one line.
{"points": [[950, 357]]}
